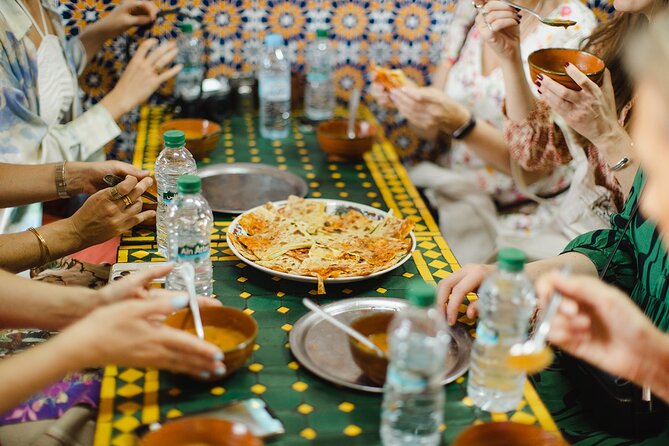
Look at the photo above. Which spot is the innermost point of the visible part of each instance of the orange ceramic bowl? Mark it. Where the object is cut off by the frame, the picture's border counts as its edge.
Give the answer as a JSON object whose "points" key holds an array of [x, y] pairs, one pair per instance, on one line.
{"points": [[202, 135], [371, 365], [505, 434], [550, 62], [335, 142], [202, 431], [223, 319]]}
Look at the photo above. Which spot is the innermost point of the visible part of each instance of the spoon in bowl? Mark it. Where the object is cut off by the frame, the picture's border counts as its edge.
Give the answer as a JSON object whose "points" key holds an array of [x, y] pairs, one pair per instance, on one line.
{"points": [[188, 276], [546, 21], [353, 103], [345, 328]]}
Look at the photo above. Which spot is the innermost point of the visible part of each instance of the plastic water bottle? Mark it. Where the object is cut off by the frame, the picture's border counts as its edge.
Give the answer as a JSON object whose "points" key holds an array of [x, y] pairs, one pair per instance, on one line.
{"points": [[189, 233], [319, 96], [175, 160], [506, 302], [274, 89], [413, 397], [189, 80]]}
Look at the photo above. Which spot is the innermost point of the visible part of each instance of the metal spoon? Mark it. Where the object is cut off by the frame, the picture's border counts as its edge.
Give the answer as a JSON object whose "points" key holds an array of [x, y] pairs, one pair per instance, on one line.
{"points": [[188, 276], [544, 20], [353, 103], [345, 328]]}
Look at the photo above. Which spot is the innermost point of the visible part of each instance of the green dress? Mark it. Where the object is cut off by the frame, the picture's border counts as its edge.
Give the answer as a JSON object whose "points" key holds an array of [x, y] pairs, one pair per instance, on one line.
{"points": [[639, 266]]}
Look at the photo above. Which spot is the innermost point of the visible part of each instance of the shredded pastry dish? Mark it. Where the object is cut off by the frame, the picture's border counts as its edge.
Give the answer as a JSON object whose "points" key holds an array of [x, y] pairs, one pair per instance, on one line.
{"points": [[301, 238]]}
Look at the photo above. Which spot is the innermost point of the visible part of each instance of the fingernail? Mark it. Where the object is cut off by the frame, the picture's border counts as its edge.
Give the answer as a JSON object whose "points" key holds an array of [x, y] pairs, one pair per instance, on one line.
{"points": [[179, 301], [537, 83], [567, 64], [539, 91], [519, 16], [517, 9], [540, 77], [218, 356], [205, 375], [220, 371]]}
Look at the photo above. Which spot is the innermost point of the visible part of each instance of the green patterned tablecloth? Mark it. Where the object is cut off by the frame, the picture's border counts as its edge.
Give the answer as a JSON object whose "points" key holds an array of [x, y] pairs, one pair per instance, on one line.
{"points": [[313, 411]]}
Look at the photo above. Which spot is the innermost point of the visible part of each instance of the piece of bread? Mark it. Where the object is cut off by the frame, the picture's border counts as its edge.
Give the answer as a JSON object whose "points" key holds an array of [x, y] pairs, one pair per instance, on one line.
{"points": [[389, 78]]}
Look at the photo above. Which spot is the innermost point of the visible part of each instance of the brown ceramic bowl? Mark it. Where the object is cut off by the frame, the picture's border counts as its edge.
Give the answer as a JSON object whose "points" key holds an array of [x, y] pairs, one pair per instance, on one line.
{"points": [[550, 62], [335, 142], [371, 365], [222, 318], [202, 135], [202, 431], [505, 434]]}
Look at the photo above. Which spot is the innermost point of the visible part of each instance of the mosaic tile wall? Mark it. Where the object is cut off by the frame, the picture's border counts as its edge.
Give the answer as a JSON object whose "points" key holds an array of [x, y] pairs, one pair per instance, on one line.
{"points": [[404, 33]]}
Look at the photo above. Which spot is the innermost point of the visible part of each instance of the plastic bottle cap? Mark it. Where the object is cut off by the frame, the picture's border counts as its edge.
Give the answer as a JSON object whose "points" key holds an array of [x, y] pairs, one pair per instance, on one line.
{"points": [[189, 184], [511, 259], [322, 33], [186, 28], [421, 294], [174, 138], [273, 40]]}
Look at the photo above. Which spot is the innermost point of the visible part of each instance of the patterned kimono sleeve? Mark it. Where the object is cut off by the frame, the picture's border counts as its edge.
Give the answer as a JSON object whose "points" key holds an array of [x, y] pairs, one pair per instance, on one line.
{"points": [[536, 143], [599, 245], [77, 53]]}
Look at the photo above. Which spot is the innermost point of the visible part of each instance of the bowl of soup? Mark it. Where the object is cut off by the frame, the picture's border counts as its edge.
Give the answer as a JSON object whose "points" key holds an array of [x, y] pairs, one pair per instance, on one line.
{"points": [[375, 328], [230, 329], [551, 62], [198, 431], [334, 140], [202, 135], [507, 433]]}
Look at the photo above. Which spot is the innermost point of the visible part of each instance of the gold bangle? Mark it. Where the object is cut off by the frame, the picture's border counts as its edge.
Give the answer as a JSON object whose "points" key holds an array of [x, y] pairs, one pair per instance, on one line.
{"points": [[45, 254], [61, 185]]}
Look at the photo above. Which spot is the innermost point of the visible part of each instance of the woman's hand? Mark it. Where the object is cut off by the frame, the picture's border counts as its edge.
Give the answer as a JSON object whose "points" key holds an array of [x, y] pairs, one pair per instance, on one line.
{"points": [[600, 324], [87, 177], [590, 111], [499, 25], [381, 96], [132, 334], [454, 288], [429, 110], [105, 215], [142, 77], [127, 14]]}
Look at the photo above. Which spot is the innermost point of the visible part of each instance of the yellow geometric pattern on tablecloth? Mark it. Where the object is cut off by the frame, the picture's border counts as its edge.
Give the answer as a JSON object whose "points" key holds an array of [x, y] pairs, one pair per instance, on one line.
{"points": [[433, 260]]}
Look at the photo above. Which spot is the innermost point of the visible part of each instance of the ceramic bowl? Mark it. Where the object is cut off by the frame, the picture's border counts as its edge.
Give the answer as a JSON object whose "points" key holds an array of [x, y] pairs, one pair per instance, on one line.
{"points": [[202, 135], [225, 318], [202, 431], [550, 62], [335, 142], [505, 434], [371, 365]]}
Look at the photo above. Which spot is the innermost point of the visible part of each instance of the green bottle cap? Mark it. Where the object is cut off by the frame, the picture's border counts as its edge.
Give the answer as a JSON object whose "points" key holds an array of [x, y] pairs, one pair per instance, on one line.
{"points": [[511, 259], [322, 33], [174, 138], [421, 294], [189, 184], [186, 28]]}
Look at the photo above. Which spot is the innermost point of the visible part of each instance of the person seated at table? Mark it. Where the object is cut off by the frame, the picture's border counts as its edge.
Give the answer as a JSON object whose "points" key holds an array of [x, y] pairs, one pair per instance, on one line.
{"points": [[41, 116], [118, 324], [590, 320], [585, 129], [636, 265], [473, 173], [108, 212]]}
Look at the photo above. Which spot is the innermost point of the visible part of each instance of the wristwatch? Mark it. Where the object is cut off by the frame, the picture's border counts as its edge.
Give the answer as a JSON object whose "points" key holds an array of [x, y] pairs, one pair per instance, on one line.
{"points": [[465, 129]]}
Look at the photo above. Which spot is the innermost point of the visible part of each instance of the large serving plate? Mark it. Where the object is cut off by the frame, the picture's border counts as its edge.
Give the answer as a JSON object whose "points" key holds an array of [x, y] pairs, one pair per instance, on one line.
{"points": [[334, 207], [324, 350], [238, 187]]}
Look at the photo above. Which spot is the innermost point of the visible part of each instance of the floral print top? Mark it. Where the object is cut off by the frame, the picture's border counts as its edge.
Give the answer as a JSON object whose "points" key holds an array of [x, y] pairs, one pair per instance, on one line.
{"points": [[484, 94]]}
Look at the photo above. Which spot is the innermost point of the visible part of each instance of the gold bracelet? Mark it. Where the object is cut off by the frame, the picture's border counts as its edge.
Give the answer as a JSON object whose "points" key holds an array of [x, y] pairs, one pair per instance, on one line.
{"points": [[61, 185], [45, 254]]}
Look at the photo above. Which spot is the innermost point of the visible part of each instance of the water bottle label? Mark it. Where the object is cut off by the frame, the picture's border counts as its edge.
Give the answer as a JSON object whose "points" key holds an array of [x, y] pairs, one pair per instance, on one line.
{"points": [[198, 251], [406, 380], [275, 88], [486, 335], [168, 196], [318, 76]]}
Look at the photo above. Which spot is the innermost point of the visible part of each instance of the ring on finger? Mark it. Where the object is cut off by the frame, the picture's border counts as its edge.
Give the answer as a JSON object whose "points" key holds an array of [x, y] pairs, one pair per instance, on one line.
{"points": [[115, 195], [127, 201]]}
